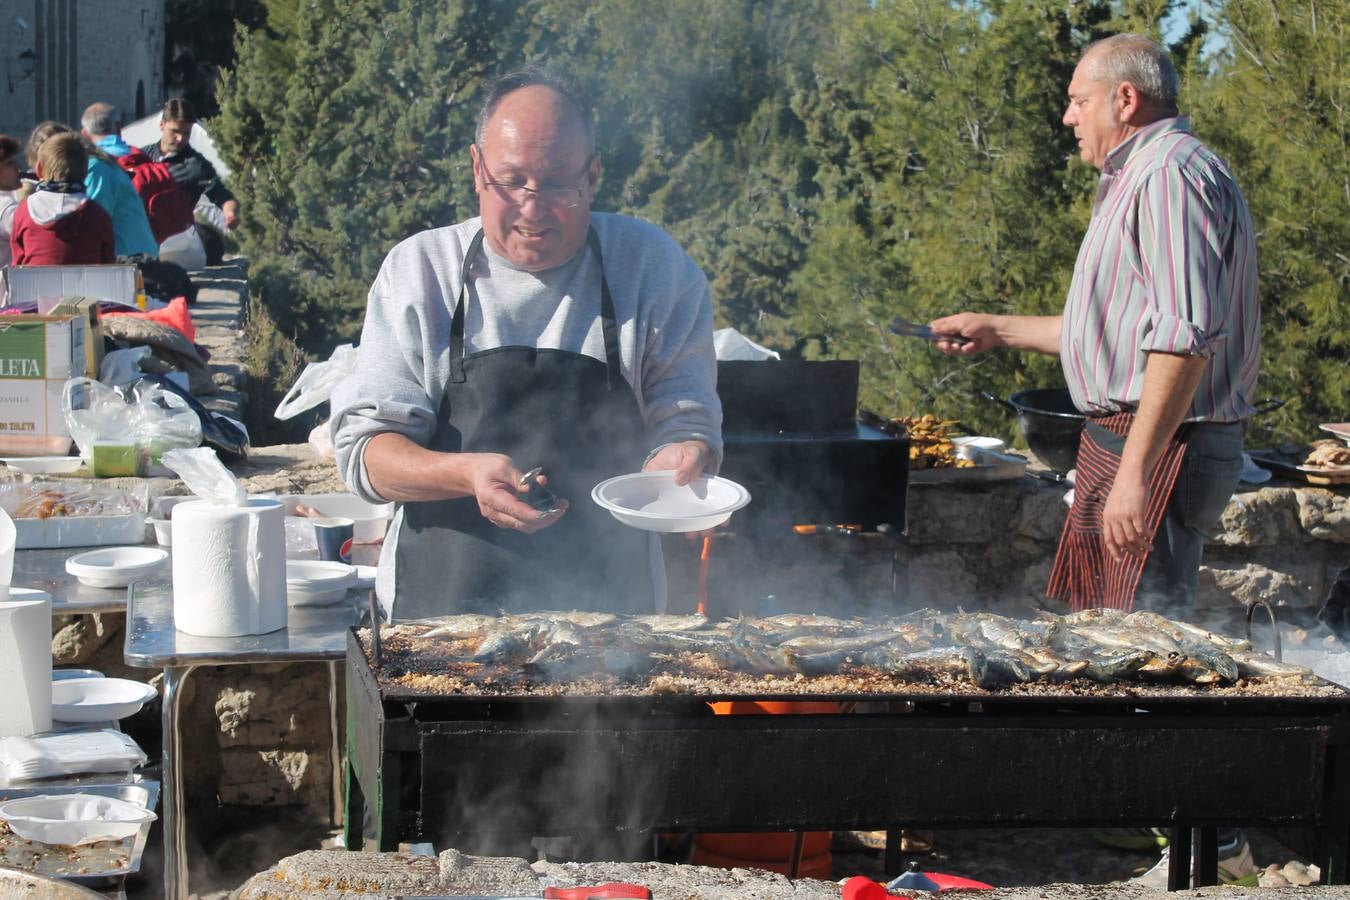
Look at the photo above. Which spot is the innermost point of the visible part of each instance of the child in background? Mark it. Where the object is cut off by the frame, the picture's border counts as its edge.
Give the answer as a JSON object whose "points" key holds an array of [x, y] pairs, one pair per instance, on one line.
{"points": [[57, 225], [11, 166]]}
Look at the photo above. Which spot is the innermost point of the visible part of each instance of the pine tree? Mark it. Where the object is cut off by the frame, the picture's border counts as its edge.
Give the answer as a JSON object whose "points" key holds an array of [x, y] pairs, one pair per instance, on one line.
{"points": [[1276, 108], [351, 135]]}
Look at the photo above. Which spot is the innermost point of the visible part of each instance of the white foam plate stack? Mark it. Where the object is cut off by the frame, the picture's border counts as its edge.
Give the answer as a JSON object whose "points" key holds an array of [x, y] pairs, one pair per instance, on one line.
{"points": [[314, 582], [116, 567], [98, 699], [74, 818]]}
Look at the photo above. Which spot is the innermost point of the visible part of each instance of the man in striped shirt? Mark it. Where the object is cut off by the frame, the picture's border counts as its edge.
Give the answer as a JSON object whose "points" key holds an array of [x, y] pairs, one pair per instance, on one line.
{"points": [[1159, 337]]}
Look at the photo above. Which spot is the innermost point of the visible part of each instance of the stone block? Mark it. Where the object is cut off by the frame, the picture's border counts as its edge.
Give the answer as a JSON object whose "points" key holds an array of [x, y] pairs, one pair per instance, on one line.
{"points": [[1267, 517], [941, 579], [78, 639], [1324, 515], [285, 708], [1295, 585], [252, 777], [1041, 515]]}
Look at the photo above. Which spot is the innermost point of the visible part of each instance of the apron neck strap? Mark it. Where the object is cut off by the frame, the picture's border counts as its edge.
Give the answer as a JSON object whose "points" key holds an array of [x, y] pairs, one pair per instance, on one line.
{"points": [[608, 320]]}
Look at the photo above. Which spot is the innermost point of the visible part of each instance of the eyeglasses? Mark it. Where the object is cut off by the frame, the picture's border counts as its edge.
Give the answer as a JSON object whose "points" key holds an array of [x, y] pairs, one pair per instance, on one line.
{"points": [[554, 196]]}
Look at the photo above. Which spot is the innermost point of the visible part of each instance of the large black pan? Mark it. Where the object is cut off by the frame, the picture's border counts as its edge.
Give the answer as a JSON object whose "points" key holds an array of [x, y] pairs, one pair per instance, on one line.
{"points": [[1051, 423]]}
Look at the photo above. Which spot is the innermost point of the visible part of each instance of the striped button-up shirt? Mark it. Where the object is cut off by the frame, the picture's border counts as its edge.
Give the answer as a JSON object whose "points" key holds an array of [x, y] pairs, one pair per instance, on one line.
{"points": [[1168, 265]]}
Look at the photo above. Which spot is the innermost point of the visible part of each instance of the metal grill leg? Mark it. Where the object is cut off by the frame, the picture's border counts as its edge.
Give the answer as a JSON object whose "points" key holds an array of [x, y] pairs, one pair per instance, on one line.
{"points": [[892, 863], [1179, 859], [1206, 856]]}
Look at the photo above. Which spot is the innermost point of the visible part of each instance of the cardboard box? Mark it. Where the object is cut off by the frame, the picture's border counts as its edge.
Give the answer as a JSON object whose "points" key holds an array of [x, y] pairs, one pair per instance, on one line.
{"points": [[34, 347], [38, 354], [93, 342], [32, 283], [31, 421]]}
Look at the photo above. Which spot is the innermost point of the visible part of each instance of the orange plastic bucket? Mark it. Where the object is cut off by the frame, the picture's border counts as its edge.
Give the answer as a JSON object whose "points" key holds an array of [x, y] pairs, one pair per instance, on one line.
{"points": [[819, 865], [770, 850], [773, 707]]}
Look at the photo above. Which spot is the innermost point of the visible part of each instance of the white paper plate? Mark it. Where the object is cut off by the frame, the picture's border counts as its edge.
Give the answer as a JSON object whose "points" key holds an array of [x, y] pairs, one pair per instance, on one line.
{"points": [[98, 699], [316, 582], [653, 501], [43, 465], [74, 818], [1340, 429], [116, 567]]}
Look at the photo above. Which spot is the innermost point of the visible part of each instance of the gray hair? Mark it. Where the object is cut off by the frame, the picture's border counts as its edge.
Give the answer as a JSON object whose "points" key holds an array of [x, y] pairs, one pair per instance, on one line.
{"points": [[528, 76], [1141, 62], [101, 119]]}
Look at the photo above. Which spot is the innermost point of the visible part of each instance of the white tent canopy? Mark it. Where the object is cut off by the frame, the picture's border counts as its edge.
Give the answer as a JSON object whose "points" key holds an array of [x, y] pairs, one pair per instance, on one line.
{"points": [[146, 131]]}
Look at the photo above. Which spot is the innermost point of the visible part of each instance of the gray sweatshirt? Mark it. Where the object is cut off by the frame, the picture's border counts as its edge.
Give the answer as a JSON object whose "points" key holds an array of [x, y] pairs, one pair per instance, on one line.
{"points": [[664, 315]]}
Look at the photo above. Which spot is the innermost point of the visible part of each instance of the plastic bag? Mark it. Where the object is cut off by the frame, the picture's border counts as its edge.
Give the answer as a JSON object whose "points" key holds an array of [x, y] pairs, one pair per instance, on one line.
{"points": [[226, 436], [123, 431], [321, 439], [315, 384], [205, 475]]}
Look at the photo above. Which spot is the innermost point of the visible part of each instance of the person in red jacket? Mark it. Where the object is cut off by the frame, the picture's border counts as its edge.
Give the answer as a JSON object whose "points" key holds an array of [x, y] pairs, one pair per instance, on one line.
{"points": [[57, 225]]}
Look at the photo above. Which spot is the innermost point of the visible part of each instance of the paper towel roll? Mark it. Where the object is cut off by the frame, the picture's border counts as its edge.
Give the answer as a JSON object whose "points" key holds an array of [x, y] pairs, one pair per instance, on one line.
{"points": [[25, 663], [229, 568]]}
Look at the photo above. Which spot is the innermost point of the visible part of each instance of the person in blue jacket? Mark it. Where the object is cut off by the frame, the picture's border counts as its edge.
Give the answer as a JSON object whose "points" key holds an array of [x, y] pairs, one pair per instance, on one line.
{"points": [[110, 187]]}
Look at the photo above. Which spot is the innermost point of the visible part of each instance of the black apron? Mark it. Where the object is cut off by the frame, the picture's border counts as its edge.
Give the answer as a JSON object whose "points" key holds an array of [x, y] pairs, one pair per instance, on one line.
{"points": [[571, 414]]}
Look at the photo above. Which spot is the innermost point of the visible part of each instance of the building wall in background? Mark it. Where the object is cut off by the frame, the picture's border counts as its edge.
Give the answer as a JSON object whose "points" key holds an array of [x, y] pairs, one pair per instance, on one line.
{"points": [[79, 51]]}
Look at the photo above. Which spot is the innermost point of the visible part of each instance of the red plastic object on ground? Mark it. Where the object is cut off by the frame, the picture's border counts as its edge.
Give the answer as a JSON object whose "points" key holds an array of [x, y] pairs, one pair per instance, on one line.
{"points": [[860, 887], [955, 882], [600, 892]]}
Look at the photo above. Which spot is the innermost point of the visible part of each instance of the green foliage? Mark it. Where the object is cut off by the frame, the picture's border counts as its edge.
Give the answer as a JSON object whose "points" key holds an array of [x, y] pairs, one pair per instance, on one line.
{"points": [[1276, 107], [944, 188], [353, 138], [830, 163]]}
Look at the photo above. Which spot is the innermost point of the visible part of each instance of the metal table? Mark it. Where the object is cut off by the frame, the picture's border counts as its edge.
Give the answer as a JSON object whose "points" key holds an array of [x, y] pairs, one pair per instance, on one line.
{"points": [[313, 634], [45, 570]]}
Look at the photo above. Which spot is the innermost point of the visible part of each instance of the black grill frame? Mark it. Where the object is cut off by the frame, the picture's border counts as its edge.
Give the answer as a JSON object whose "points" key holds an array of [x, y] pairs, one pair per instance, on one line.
{"points": [[438, 768]]}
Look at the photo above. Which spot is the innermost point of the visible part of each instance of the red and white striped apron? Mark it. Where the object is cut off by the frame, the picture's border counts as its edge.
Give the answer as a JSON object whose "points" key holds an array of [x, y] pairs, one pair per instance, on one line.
{"points": [[1084, 575]]}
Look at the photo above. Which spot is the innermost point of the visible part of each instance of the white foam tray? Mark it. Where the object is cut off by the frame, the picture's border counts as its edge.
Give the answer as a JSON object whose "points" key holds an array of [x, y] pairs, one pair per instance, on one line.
{"points": [[79, 531]]}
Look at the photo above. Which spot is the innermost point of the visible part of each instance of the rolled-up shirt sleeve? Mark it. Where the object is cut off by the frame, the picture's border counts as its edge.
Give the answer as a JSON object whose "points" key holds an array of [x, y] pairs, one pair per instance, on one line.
{"points": [[387, 391], [679, 377], [1183, 224]]}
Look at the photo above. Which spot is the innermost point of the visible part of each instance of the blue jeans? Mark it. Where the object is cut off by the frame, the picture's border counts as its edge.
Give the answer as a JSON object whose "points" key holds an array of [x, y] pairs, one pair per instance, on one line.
{"points": [[1209, 473]]}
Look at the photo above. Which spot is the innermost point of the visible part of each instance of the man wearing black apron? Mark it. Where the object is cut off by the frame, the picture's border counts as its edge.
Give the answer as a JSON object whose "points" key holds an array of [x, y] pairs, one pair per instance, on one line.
{"points": [[539, 335]]}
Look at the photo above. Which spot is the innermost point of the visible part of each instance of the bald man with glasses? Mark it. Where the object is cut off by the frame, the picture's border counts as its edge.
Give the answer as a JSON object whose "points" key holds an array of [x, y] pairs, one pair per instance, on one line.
{"points": [[537, 335]]}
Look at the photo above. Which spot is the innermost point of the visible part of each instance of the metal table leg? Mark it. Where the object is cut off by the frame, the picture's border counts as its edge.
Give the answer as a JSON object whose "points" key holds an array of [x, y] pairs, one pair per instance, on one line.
{"points": [[335, 746], [175, 823]]}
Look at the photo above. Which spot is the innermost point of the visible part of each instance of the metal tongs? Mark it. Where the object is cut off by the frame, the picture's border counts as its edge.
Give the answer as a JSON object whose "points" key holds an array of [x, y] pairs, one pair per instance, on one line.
{"points": [[540, 498], [906, 328]]}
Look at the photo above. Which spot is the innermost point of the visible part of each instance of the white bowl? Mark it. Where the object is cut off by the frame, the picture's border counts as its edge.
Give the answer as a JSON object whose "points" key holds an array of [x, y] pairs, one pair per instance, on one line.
{"points": [[43, 465], [316, 582], [98, 699], [970, 446], [653, 501], [115, 567], [74, 818], [163, 531]]}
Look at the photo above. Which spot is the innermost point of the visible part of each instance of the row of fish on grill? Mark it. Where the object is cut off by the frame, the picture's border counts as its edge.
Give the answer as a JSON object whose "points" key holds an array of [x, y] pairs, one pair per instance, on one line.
{"points": [[989, 650]]}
